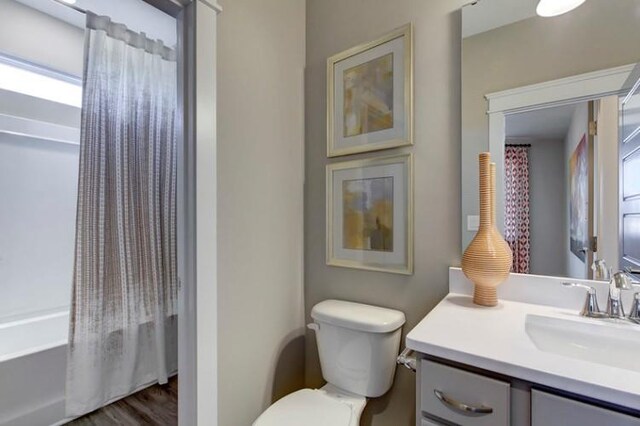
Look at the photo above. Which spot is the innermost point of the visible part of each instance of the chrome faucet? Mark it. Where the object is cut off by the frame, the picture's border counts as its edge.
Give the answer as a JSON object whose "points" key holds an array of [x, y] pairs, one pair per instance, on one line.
{"points": [[590, 308], [621, 280], [634, 315], [627, 281]]}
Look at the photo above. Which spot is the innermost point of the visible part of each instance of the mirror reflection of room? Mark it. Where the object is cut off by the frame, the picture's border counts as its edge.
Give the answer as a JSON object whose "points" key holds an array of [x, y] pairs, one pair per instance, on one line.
{"points": [[550, 98], [560, 179]]}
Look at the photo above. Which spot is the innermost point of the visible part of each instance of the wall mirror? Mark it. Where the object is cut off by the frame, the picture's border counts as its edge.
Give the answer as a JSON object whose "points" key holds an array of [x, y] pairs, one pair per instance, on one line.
{"points": [[556, 101]]}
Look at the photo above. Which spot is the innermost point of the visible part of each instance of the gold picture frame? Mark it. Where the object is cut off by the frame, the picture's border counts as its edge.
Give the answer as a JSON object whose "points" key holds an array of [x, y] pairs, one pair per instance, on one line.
{"points": [[371, 120], [369, 217]]}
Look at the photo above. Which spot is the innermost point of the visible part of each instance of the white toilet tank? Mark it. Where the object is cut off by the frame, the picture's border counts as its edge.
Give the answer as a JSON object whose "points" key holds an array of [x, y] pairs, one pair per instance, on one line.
{"points": [[358, 345]]}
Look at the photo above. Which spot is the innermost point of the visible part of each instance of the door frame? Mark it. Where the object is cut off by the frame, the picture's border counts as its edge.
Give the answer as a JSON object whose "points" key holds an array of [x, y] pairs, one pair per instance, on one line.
{"points": [[631, 88], [197, 209], [569, 90]]}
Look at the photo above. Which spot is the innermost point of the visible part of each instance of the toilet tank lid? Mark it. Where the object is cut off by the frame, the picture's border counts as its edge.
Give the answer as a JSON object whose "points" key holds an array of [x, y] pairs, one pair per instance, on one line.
{"points": [[357, 316]]}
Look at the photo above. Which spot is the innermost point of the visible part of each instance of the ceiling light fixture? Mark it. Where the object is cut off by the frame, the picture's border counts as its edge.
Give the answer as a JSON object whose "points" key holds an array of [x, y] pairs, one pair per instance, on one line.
{"points": [[69, 1], [547, 8]]}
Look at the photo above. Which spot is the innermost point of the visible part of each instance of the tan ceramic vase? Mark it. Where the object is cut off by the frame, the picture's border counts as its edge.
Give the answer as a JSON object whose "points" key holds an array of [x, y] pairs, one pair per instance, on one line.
{"points": [[487, 260]]}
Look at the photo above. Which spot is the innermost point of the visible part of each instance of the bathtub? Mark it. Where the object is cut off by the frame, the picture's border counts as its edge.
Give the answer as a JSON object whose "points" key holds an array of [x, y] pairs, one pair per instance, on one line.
{"points": [[33, 353]]}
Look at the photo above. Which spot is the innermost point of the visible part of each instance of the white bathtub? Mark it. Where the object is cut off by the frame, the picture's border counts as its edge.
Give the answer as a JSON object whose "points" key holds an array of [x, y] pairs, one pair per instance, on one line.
{"points": [[33, 354]]}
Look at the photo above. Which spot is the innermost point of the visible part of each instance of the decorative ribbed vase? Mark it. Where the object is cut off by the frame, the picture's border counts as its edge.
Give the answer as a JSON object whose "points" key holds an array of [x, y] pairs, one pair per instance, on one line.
{"points": [[487, 260]]}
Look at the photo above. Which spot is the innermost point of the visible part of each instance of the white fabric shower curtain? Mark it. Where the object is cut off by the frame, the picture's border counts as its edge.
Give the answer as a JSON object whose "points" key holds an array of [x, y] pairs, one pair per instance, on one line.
{"points": [[123, 331]]}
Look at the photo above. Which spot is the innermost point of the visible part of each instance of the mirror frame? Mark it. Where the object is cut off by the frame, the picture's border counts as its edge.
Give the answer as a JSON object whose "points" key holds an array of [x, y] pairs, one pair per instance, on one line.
{"points": [[564, 91]]}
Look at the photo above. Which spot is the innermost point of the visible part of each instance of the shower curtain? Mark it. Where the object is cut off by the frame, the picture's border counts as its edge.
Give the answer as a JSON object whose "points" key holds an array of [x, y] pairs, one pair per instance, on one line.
{"points": [[516, 217], [123, 331]]}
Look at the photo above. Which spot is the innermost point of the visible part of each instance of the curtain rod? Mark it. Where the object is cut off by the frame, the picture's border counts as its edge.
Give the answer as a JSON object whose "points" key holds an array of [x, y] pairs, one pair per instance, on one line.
{"points": [[71, 6], [171, 11], [518, 144]]}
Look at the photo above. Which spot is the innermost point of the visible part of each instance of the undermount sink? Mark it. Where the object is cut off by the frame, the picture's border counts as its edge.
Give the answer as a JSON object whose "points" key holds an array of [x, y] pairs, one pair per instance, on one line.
{"points": [[615, 344]]}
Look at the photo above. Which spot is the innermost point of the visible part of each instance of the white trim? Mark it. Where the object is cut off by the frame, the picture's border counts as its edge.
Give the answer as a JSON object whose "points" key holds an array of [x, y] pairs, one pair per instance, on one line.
{"points": [[206, 240], [594, 84], [497, 136], [41, 130], [578, 88], [213, 5]]}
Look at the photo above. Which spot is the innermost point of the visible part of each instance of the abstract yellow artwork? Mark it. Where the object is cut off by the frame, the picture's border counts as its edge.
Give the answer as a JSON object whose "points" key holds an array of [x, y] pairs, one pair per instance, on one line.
{"points": [[368, 97], [368, 214]]}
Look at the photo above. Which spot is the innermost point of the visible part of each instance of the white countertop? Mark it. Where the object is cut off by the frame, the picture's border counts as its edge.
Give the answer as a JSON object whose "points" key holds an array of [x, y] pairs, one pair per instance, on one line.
{"points": [[495, 339]]}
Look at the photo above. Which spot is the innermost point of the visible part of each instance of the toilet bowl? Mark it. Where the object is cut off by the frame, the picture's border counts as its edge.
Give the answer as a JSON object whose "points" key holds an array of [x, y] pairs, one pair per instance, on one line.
{"points": [[315, 407], [358, 345]]}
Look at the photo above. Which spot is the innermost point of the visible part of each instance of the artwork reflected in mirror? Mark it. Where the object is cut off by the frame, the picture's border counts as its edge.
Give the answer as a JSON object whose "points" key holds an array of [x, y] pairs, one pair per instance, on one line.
{"points": [[579, 200]]}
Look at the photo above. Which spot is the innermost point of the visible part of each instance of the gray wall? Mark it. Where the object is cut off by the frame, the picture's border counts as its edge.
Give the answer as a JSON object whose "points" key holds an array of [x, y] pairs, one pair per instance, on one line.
{"points": [[336, 25], [261, 56], [37, 37], [546, 206], [599, 34]]}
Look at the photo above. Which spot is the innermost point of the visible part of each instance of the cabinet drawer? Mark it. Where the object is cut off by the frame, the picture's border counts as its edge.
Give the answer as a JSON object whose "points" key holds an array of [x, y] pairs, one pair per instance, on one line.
{"points": [[445, 389], [548, 409]]}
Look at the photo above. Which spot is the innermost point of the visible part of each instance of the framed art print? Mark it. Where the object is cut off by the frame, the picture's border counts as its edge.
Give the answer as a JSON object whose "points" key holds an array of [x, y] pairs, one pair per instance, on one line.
{"points": [[369, 95], [370, 214], [579, 199]]}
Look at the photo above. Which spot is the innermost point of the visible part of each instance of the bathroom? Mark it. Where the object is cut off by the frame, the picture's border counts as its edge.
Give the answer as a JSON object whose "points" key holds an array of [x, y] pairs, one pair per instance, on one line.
{"points": [[252, 247]]}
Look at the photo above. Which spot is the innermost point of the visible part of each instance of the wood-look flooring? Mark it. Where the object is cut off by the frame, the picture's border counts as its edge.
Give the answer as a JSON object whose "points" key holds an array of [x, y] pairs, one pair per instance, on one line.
{"points": [[156, 405]]}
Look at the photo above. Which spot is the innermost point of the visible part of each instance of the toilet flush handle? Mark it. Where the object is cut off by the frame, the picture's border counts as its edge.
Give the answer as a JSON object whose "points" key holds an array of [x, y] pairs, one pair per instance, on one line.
{"points": [[407, 359], [313, 326]]}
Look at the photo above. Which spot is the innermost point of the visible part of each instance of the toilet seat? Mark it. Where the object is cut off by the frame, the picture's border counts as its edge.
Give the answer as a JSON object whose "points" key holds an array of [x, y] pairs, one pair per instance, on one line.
{"points": [[328, 406]]}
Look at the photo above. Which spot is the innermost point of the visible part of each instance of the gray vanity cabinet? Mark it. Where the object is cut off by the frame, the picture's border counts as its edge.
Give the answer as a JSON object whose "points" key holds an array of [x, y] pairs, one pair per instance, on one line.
{"points": [[549, 409], [427, 422], [461, 397], [450, 395]]}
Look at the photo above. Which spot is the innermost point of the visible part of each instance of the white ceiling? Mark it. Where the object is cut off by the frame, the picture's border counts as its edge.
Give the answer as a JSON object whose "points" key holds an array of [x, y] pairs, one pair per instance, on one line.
{"points": [[547, 123], [490, 14], [135, 14]]}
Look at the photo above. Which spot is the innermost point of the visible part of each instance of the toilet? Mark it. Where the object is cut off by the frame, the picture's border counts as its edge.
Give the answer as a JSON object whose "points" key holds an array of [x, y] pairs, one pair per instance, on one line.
{"points": [[358, 345]]}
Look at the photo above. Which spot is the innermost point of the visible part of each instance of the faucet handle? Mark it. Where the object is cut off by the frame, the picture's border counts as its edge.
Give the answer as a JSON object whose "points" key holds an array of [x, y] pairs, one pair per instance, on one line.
{"points": [[600, 270], [590, 308], [634, 315], [621, 280], [632, 273]]}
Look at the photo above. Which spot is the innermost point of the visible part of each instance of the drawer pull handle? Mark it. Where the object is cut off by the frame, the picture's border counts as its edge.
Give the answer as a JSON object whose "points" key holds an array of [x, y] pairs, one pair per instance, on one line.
{"points": [[460, 406]]}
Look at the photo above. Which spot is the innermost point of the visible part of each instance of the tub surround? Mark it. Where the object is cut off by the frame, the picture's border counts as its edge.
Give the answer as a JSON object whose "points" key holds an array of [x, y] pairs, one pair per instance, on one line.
{"points": [[496, 340], [33, 360]]}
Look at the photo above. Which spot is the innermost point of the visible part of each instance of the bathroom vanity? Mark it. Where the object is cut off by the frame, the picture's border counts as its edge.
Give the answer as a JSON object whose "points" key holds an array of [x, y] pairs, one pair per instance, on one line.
{"points": [[532, 360], [564, 131]]}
